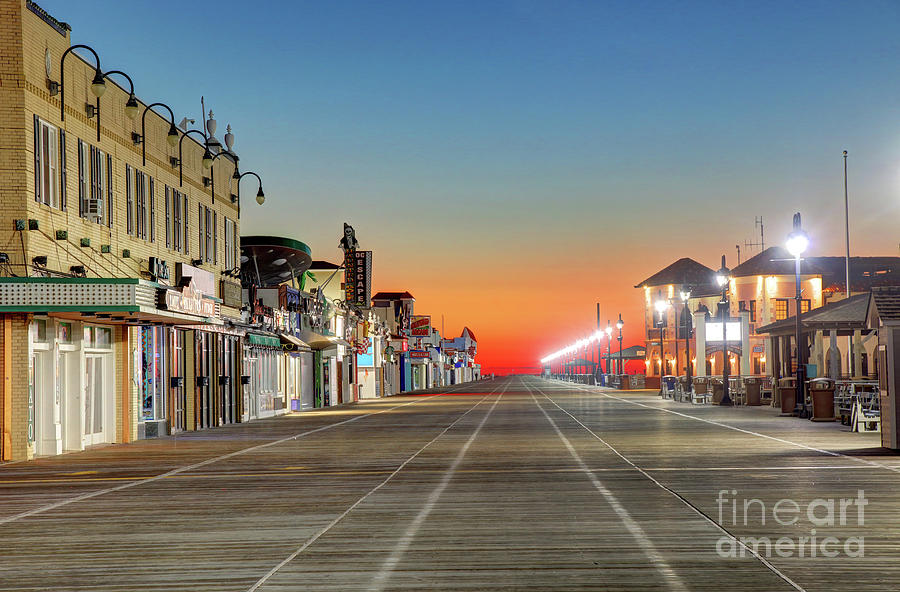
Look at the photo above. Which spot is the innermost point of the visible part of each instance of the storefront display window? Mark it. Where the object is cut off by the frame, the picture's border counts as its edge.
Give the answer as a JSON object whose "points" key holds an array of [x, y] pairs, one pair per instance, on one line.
{"points": [[64, 332], [153, 373]]}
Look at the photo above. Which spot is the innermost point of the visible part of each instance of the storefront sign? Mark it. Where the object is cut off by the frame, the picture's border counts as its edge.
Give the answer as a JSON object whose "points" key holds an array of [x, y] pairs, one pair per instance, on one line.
{"points": [[718, 332], [204, 281], [758, 349], [159, 270], [189, 300], [420, 326], [231, 293], [418, 353], [358, 278]]}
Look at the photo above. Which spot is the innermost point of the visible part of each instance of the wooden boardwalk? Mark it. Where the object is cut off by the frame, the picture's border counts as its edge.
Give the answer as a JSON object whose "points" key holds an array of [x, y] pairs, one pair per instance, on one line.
{"points": [[519, 484]]}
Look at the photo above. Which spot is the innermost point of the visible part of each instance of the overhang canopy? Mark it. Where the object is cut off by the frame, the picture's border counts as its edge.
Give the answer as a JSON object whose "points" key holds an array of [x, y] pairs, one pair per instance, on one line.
{"points": [[269, 261]]}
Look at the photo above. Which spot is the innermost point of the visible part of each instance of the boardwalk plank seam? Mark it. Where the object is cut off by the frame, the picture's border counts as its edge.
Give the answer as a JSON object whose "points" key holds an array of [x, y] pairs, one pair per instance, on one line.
{"points": [[380, 579], [356, 504], [678, 496], [191, 467]]}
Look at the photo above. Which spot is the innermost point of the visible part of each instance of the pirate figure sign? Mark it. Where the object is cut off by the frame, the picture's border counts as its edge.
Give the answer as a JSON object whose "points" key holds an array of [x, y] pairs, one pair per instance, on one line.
{"points": [[349, 242]]}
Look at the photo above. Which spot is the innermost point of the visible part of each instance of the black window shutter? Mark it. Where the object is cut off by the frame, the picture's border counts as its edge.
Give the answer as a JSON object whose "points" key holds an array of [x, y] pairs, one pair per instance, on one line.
{"points": [[81, 186], [152, 204], [109, 191], [37, 159], [62, 170]]}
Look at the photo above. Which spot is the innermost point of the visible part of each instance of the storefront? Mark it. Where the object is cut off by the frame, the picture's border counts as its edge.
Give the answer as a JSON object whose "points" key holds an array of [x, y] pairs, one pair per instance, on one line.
{"points": [[72, 385], [263, 357]]}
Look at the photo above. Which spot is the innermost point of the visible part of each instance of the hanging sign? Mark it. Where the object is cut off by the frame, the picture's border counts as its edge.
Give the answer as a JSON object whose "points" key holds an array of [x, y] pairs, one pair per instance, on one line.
{"points": [[189, 300], [420, 326]]}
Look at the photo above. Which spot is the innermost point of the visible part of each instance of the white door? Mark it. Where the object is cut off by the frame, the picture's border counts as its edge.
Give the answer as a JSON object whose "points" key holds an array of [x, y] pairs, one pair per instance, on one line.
{"points": [[96, 399], [251, 391], [48, 438]]}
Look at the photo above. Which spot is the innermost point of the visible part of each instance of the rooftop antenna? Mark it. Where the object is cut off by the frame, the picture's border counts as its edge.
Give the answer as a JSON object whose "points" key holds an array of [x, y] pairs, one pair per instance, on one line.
{"points": [[738, 247], [761, 244]]}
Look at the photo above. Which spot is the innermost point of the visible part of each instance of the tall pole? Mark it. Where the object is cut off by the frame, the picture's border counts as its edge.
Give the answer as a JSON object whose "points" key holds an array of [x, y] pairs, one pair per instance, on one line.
{"points": [[847, 226], [847, 263], [725, 312], [801, 391], [687, 343], [619, 324], [599, 351]]}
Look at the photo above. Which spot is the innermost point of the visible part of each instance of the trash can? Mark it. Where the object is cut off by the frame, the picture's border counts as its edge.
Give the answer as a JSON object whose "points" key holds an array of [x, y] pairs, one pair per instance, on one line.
{"points": [[752, 387], [787, 390], [718, 390], [822, 392]]}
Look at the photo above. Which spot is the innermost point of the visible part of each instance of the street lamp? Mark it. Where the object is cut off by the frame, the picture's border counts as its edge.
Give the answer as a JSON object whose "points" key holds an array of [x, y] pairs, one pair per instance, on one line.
{"points": [[661, 306], [722, 277], [171, 138], [212, 159], [260, 196], [608, 346], [685, 297], [180, 160], [797, 242], [98, 85], [619, 324]]}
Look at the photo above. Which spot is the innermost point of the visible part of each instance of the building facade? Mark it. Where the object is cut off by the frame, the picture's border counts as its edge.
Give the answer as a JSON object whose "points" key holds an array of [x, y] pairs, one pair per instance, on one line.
{"points": [[116, 270]]}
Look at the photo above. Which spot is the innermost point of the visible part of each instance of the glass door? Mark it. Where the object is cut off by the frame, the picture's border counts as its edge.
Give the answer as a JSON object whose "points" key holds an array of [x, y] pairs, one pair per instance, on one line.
{"points": [[178, 391], [95, 398]]}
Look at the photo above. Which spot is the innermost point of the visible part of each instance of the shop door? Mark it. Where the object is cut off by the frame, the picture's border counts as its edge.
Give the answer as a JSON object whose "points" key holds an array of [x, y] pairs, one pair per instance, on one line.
{"points": [[228, 348], [251, 391], [96, 398], [205, 417], [307, 381], [340, 382], [47, 399], [177, 387]]}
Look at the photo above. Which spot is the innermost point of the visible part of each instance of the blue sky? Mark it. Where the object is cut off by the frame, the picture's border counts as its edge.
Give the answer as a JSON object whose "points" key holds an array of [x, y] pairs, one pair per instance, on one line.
{"points": [[558, 131]]}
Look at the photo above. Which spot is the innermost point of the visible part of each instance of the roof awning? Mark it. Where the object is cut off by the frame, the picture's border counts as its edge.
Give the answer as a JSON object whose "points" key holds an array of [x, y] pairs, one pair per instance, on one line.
{"points": [[292, 343], [320, 341]]}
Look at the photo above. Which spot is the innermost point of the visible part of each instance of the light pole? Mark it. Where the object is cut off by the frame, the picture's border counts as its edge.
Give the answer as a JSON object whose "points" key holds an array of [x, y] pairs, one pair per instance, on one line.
{"points": [[140, 138], [685, 297], [619, 324], [608, 347], [796, 244], [722, 277], [661, 306]]}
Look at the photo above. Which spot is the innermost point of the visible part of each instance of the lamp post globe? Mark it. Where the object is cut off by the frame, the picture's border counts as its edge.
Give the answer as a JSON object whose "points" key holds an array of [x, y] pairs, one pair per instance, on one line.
{"points": [[797, 242]]}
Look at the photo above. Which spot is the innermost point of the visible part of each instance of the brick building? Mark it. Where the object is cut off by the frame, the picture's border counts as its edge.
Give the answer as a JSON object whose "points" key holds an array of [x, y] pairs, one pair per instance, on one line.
{"points": [[118, 263]]}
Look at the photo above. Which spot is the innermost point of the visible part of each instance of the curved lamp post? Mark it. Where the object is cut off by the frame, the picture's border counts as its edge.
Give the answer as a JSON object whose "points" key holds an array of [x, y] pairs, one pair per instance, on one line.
{"points": [[209, 159], [722, 277], [179, 162], [172, 137], [797, 242], [131, 105], [98, 85], [260, 196]]}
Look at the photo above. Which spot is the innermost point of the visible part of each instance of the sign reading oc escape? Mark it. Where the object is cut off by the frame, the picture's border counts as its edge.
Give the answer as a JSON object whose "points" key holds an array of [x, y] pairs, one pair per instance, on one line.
{"points": [[357, 270], [358, 278]]}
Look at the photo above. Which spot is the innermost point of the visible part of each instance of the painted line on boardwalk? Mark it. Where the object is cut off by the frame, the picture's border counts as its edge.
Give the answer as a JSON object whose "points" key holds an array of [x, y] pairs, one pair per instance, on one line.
{"points": [[343, 514], [194, 466], [865, 461], [640, 536], [402, 546], [677, 495]]}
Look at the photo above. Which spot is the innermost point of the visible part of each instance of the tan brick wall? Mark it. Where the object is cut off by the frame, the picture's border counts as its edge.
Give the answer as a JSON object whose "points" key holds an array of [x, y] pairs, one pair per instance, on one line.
{"points": [[34, 98], [15, 348]]}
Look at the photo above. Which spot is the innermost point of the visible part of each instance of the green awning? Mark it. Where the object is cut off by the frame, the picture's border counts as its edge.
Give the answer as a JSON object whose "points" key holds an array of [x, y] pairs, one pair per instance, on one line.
{"points": [[266, 340]]}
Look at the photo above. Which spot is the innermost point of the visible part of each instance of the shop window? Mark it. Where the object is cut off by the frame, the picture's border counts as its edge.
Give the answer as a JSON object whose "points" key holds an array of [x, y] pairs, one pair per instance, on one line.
{"points": [[805, 305], [64, 332], [176, 220], [229, 244], [140, 214], [207, 213], [153, 373], [39, 331], [97, 337], [781, 309]]}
